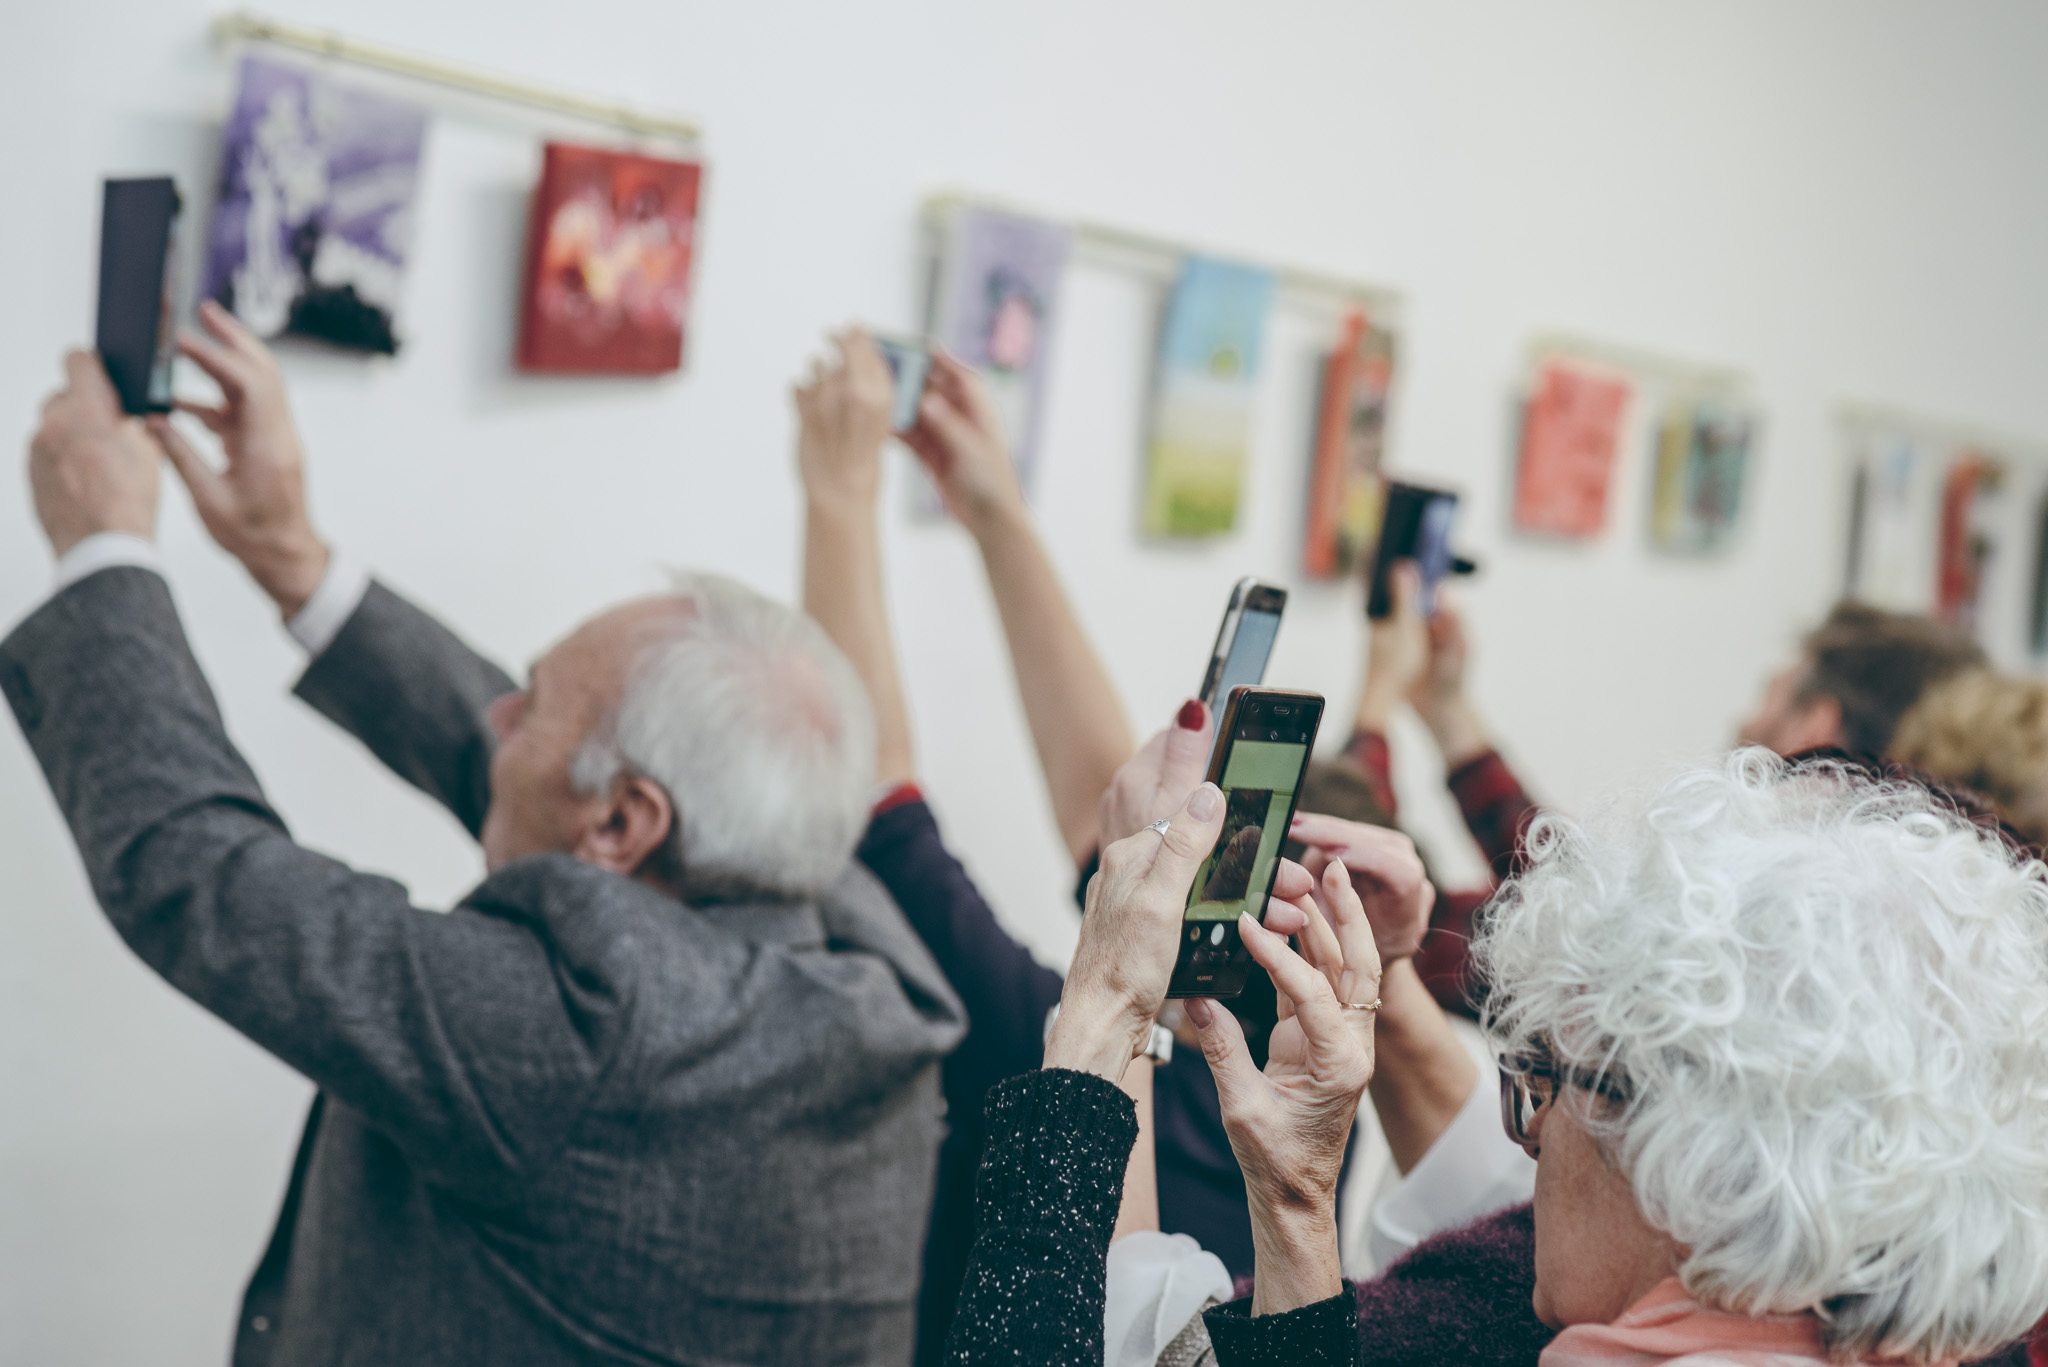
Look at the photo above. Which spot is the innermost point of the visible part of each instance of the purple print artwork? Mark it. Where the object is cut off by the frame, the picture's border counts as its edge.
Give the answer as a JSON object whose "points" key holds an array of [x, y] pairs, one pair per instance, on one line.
{"points": [[993, 308], [316, 204]]}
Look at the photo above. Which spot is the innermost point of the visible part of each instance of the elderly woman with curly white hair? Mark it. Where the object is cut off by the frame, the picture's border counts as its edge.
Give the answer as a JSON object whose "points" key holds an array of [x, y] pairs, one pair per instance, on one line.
{"points": [[1777, 1037], [1778, 1040]]}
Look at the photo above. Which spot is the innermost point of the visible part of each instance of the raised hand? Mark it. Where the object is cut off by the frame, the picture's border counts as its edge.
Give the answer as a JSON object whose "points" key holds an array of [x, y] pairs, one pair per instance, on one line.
{"points": [[91, 467], [842, 420], [958, 438], [1438, 692], [254, 504], [1441, 683], [1130, 937], [1397, 651], [1289, 1124], [1152, 782], [1385, 872]]}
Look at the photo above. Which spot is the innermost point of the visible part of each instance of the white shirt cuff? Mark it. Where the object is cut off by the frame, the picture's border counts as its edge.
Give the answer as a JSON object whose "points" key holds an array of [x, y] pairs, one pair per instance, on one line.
{"points": [[102, 551], [1156, 1284], [1473, 1169], [341, 591]]}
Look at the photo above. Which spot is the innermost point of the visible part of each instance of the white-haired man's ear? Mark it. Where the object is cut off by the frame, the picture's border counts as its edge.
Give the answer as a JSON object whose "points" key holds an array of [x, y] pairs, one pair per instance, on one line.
{"points": [[631, 834]]}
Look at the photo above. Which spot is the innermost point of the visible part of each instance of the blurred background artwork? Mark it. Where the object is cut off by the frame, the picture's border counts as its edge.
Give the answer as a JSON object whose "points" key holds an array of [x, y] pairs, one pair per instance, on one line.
{"points": [[1702, 465], [1970, 535], [1571, 434], [995, 285], [1949, 518], [314, 221], [612, 241], [1347, 476], [1207, 377]]}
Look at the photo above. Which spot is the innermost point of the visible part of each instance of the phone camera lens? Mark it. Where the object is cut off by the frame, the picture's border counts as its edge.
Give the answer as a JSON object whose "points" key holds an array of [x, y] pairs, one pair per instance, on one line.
{"points": [[1273, 735]]}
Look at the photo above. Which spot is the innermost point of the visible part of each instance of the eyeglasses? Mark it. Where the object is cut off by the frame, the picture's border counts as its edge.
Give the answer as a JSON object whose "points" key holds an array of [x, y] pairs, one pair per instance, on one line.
{"points": [[1530, 1083]]}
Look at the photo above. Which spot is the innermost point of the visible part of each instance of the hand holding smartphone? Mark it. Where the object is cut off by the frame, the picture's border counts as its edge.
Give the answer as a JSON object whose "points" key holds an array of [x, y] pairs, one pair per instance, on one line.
{"points": [[910, 363], [1263, 748], [1417, 526]]}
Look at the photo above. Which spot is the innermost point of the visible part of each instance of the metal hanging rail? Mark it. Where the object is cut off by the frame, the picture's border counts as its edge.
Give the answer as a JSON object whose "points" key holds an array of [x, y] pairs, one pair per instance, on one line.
{"points": [[1639, 361], [243, 26], [1115, 240], [1866, 417]]}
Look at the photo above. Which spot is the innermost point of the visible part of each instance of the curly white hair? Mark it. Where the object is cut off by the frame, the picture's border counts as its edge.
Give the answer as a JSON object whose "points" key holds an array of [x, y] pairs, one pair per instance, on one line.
{"points": [[1823, 998]]}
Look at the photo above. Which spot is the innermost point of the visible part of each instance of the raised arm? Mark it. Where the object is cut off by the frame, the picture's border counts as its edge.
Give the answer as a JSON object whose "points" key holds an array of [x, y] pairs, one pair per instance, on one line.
{"points": [[400, 1013], [383, 670], [410, 690], [1059, 1140], [842, 421], [1496, 809], [1423, 1076], [1076, 721]]}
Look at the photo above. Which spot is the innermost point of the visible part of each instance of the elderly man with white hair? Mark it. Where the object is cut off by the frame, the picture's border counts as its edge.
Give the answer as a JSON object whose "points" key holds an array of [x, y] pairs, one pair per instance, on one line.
{"points": [[663, 1088]]}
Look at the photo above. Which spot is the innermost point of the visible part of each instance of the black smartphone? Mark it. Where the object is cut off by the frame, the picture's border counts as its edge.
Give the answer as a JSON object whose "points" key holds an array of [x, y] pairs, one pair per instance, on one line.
{"points": [[910, 364], [1244, 641], [137, 335], [1417, 527], [1267, 737]]}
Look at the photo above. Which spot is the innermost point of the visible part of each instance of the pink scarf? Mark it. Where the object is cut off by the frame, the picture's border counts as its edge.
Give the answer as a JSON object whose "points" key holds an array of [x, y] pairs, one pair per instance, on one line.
{"points": [[1668, 1326]]}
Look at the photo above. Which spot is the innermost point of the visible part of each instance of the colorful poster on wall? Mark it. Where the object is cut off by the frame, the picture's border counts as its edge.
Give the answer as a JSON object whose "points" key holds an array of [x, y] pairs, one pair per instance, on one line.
{"points": [[608, 259], [1967, 540], [1347, 483], [1209, 351], [1702, 463], [1571, 434], [993, 299], [1891, 520], [314, 221]]}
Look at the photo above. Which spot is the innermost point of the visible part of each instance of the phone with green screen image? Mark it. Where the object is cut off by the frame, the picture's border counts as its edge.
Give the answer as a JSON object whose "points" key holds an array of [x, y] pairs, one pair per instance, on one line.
{"points": [[1265, 740]]}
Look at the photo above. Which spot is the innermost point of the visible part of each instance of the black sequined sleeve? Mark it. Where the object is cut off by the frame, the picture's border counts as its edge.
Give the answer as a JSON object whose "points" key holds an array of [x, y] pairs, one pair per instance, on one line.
{"points": [[1052, 1177], [1321, 1335]]}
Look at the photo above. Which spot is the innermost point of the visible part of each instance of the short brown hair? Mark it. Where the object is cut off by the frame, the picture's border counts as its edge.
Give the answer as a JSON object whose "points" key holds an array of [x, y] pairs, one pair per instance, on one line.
{"points": [[1876, 664]]}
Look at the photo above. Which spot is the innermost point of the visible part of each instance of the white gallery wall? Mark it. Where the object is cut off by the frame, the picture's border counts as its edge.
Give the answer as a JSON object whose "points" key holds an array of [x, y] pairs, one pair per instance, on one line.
{"points": [[1845, 198]]}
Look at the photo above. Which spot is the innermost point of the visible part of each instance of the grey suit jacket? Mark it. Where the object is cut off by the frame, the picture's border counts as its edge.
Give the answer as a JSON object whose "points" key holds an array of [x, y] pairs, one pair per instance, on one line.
{"points": [[570, 1121]]}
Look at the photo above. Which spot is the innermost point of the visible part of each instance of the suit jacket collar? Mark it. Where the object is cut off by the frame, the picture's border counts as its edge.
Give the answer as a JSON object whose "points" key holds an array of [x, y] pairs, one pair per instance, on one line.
{"points": [[518, 884]]}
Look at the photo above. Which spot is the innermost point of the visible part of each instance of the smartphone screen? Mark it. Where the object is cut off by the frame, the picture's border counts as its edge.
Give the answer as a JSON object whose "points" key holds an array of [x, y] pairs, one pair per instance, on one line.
{"points": [[1268, 735], [1417, 527], [910, 365], [1244, 642], [1433, 546], [163, 364], [138, 301]]}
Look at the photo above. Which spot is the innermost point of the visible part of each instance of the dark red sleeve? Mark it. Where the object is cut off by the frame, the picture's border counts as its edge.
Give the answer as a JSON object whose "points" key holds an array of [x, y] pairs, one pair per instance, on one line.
{"points": [[1444, 958], [1496, 809], [1370, 752]]}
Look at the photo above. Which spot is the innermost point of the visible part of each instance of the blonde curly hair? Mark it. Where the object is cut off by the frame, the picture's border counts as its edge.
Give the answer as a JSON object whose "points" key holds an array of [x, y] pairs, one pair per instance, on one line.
{"points": [[1987, 732]]}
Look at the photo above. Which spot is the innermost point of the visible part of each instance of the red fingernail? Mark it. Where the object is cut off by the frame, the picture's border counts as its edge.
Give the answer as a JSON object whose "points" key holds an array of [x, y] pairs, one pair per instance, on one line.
{"points": [[1192, 714]]}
